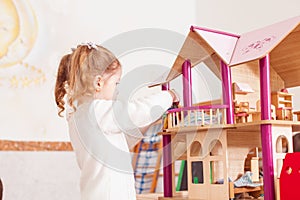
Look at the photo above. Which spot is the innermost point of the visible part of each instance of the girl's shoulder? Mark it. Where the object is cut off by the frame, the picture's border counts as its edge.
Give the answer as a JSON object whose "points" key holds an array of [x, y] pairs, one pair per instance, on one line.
{"points": [[101, 106]]}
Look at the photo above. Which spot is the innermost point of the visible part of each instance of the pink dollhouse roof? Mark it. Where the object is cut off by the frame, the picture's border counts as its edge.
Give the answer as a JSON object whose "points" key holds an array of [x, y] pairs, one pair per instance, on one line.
{"points": [[281, 40]]}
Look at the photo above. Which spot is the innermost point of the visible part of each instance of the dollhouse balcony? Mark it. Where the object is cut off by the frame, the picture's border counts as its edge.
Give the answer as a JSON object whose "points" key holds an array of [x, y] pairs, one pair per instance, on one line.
{"points": [[205, 116]]}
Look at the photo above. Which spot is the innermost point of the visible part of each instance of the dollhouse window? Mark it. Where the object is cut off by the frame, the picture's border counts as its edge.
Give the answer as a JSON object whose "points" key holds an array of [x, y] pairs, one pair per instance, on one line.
{"points": [[281, 147], [215, 148], [282, 144], [216, 172], [197, 172], [216, 166], [196, 149]]}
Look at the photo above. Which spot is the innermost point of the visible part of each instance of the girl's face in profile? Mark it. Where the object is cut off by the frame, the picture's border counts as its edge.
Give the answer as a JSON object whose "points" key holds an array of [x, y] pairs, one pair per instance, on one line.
{"points": [[108, 90]]}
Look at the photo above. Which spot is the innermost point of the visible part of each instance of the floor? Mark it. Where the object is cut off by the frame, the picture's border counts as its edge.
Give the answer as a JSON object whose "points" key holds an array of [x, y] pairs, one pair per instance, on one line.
{"points": [[158, 196]]}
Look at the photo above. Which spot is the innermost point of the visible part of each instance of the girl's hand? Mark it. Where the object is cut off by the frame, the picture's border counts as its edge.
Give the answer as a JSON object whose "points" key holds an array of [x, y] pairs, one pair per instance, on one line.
{"points": [[174, 95]]}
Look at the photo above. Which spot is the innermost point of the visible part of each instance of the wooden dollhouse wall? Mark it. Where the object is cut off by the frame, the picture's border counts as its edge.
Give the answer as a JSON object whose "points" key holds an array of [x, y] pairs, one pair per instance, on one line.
{"points": [[240, 143], [207, 154], [285, 58], [249, 73]]}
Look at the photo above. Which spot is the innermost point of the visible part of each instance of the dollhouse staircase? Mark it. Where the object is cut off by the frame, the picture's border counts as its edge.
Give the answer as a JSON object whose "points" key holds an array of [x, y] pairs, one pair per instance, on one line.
{"points": [[146, 161]]}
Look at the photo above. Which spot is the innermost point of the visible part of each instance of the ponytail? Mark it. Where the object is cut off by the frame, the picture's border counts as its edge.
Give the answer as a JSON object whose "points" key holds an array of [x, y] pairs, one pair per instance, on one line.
{"points": [[62, 81], [77, 70]]}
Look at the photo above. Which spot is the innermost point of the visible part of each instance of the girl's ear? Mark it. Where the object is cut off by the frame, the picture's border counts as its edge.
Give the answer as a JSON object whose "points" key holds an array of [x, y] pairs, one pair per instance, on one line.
{"points": [[98, 83]]}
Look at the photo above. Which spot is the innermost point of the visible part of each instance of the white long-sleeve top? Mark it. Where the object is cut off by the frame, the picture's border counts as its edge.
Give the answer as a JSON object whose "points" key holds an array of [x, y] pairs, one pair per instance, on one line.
{"points": [[101, 133]]}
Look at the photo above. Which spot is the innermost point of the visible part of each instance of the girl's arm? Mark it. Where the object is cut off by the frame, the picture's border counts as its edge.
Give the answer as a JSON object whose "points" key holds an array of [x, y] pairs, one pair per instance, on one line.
{"points": [[117, 116]]}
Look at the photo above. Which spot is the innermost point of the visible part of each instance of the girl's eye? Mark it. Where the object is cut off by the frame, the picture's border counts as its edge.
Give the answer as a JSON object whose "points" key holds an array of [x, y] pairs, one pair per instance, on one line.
{"points": [[117, 83]]}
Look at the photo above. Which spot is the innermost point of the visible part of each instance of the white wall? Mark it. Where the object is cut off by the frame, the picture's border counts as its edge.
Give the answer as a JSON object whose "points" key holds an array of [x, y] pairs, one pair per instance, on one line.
{"points": [[242, 16], [39, 175], [29, 112]]}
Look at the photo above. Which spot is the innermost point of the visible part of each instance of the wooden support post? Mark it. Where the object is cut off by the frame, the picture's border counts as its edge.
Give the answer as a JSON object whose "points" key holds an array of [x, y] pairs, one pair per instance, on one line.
{"points": [[227, 91], [266, 129], [187, 83], [167, 160]]}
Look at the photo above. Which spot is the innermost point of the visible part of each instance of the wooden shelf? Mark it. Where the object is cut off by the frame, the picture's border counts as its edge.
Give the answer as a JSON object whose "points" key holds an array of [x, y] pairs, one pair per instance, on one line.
{"points": [[283, 94], [283, 103]]}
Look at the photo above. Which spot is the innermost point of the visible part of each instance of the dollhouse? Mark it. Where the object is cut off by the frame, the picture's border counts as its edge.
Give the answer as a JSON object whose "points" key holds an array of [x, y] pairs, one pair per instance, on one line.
{"points": [[250, 128]]}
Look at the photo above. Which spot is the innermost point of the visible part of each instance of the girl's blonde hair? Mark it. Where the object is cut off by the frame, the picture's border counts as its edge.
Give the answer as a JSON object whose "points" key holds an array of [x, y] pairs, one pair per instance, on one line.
{"points": [[76, 73]]}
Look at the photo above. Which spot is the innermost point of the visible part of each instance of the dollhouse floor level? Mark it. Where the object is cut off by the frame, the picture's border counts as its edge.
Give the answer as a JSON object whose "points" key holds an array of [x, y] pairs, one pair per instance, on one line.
{"points": [[159, 196], [228, 155]]}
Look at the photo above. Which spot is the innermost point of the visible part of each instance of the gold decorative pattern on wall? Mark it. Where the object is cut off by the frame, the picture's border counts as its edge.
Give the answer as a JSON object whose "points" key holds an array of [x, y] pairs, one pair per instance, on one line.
{"points": [[8, 145], [33, 77], [18, 30]]}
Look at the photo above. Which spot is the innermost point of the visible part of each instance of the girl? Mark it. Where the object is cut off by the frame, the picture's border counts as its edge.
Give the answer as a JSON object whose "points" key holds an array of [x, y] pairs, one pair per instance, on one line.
{"points": [[101, 128]]}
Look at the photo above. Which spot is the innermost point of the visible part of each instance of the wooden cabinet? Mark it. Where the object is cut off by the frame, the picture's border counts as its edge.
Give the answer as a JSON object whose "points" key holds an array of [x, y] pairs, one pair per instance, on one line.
{"points": [[283, 103], [297, 113]]}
